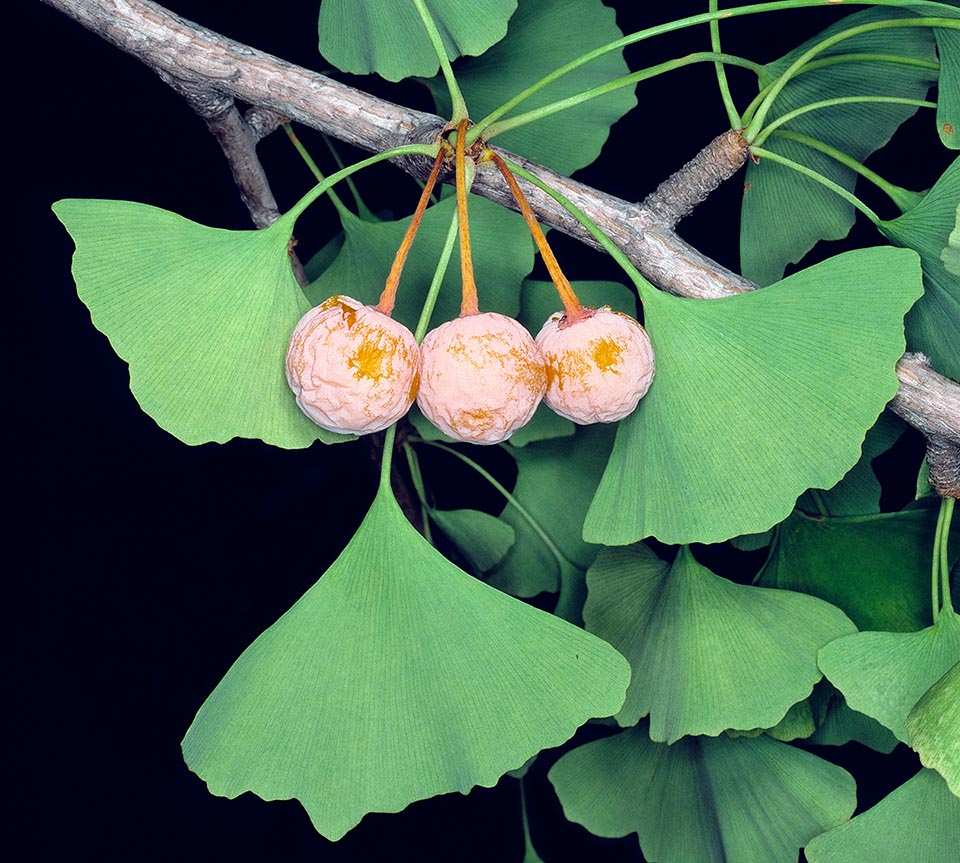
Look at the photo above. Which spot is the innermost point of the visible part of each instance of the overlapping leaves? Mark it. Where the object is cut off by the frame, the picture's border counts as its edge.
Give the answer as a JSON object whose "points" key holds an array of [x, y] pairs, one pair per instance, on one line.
{"points": [[766, 799], [746, 410], [785, 213], [388, 37], [707, 654], [394, 678], [202, 315]]}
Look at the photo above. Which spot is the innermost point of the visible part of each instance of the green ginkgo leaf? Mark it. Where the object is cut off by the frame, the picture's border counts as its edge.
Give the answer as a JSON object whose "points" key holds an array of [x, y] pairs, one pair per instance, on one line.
{"points": [[876, 568], [397, 677], [764, 799], [751, 404], [707, 654], [502, 257], [933, 727], [540, 40], [784, 213], [388, 37], [950, 256], [202, 315], [839, 725], [934, 322], [483, 538], [919, 822], [948, 81], [555, 481], [884, 674]]}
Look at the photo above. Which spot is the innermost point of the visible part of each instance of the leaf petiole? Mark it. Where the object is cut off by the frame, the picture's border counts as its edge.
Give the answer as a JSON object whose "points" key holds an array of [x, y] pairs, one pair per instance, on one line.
{"points": [[722, 83], [335, 199], [849, 197], [941, 562], [456, 97], [434, 290]]}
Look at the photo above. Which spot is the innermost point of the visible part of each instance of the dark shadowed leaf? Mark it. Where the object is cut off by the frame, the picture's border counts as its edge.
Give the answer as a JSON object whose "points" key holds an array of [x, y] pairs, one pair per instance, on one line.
{"points": [[785, 213], [202, 315], [544, 35], [388, 37], [707, 654], [766, 799], [397, 677], [751, 404]]}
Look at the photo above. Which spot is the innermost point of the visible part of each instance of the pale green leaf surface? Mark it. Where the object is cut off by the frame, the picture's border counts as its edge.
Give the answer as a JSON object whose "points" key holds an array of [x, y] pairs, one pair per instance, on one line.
{"points": [[884, 674], [766, 799], [746, 412], [948, 87], [784, 213], [707, 654], [482, 537], [202, 315], [502, 257], [933, 324], [388, 37], [950, 256], [796, 724], [555, 481], [933, 728], [919, 822], [858, 493], [544, 35], [397, 677], [875, 568]]}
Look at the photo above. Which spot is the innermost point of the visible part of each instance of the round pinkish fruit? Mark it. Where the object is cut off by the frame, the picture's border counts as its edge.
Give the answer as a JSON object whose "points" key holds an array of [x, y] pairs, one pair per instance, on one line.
{"points": [[598, 367], [482, 377], [352, 368]]}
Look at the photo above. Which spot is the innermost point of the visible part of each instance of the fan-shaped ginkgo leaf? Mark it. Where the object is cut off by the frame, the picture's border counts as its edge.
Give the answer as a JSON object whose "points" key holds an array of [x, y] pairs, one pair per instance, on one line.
{"points": [[751, 404], [483, 538], [884, 674], [540, 39], [704, 800], [933, 727], [919, 822], [934, 322], [202, 315], [707, 654], [388, 36], [397, 677], [785, 213]]}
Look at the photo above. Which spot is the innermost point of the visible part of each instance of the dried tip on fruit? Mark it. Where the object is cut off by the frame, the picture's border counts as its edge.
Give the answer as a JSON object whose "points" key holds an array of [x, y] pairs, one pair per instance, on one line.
{"points": [[482, 377], [352, 368], [598, 367]]}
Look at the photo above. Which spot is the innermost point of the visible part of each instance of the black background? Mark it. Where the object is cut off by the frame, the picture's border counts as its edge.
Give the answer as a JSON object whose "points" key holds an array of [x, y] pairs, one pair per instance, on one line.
{"points": [[150, 565]]}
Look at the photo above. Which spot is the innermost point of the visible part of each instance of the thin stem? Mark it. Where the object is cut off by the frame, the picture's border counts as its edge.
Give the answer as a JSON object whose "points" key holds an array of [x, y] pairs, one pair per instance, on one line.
{"points": [[573, 311], [946, 507], [722, 83], [434, 290], [413, 464], [756, 124], [469, 305], [318, 190], [524, 513], [669, 27], [903, 198], [602, 239], [363, 210], [935, 563], [849, 197], [389, 294], [387, 460], [829, 103], [341, 208], [617, 84], [817, 497], [456, 97]]}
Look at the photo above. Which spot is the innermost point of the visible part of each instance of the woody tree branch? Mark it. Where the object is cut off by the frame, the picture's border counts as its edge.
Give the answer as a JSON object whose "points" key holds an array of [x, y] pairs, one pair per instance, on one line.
{"points": [[212, 71]]}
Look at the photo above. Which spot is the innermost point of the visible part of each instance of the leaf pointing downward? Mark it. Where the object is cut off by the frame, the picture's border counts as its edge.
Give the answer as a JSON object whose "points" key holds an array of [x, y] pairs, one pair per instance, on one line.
{"points": [[394, 678]]}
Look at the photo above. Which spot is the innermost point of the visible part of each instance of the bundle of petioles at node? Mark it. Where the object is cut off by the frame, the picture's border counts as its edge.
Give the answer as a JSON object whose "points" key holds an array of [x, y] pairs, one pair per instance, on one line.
{"points": [[479, 377]]}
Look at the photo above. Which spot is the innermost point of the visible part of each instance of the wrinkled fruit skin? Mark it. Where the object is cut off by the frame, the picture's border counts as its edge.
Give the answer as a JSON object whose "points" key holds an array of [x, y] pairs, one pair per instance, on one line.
{"points": [[598, 368], [482, 377], [352, 368]]}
